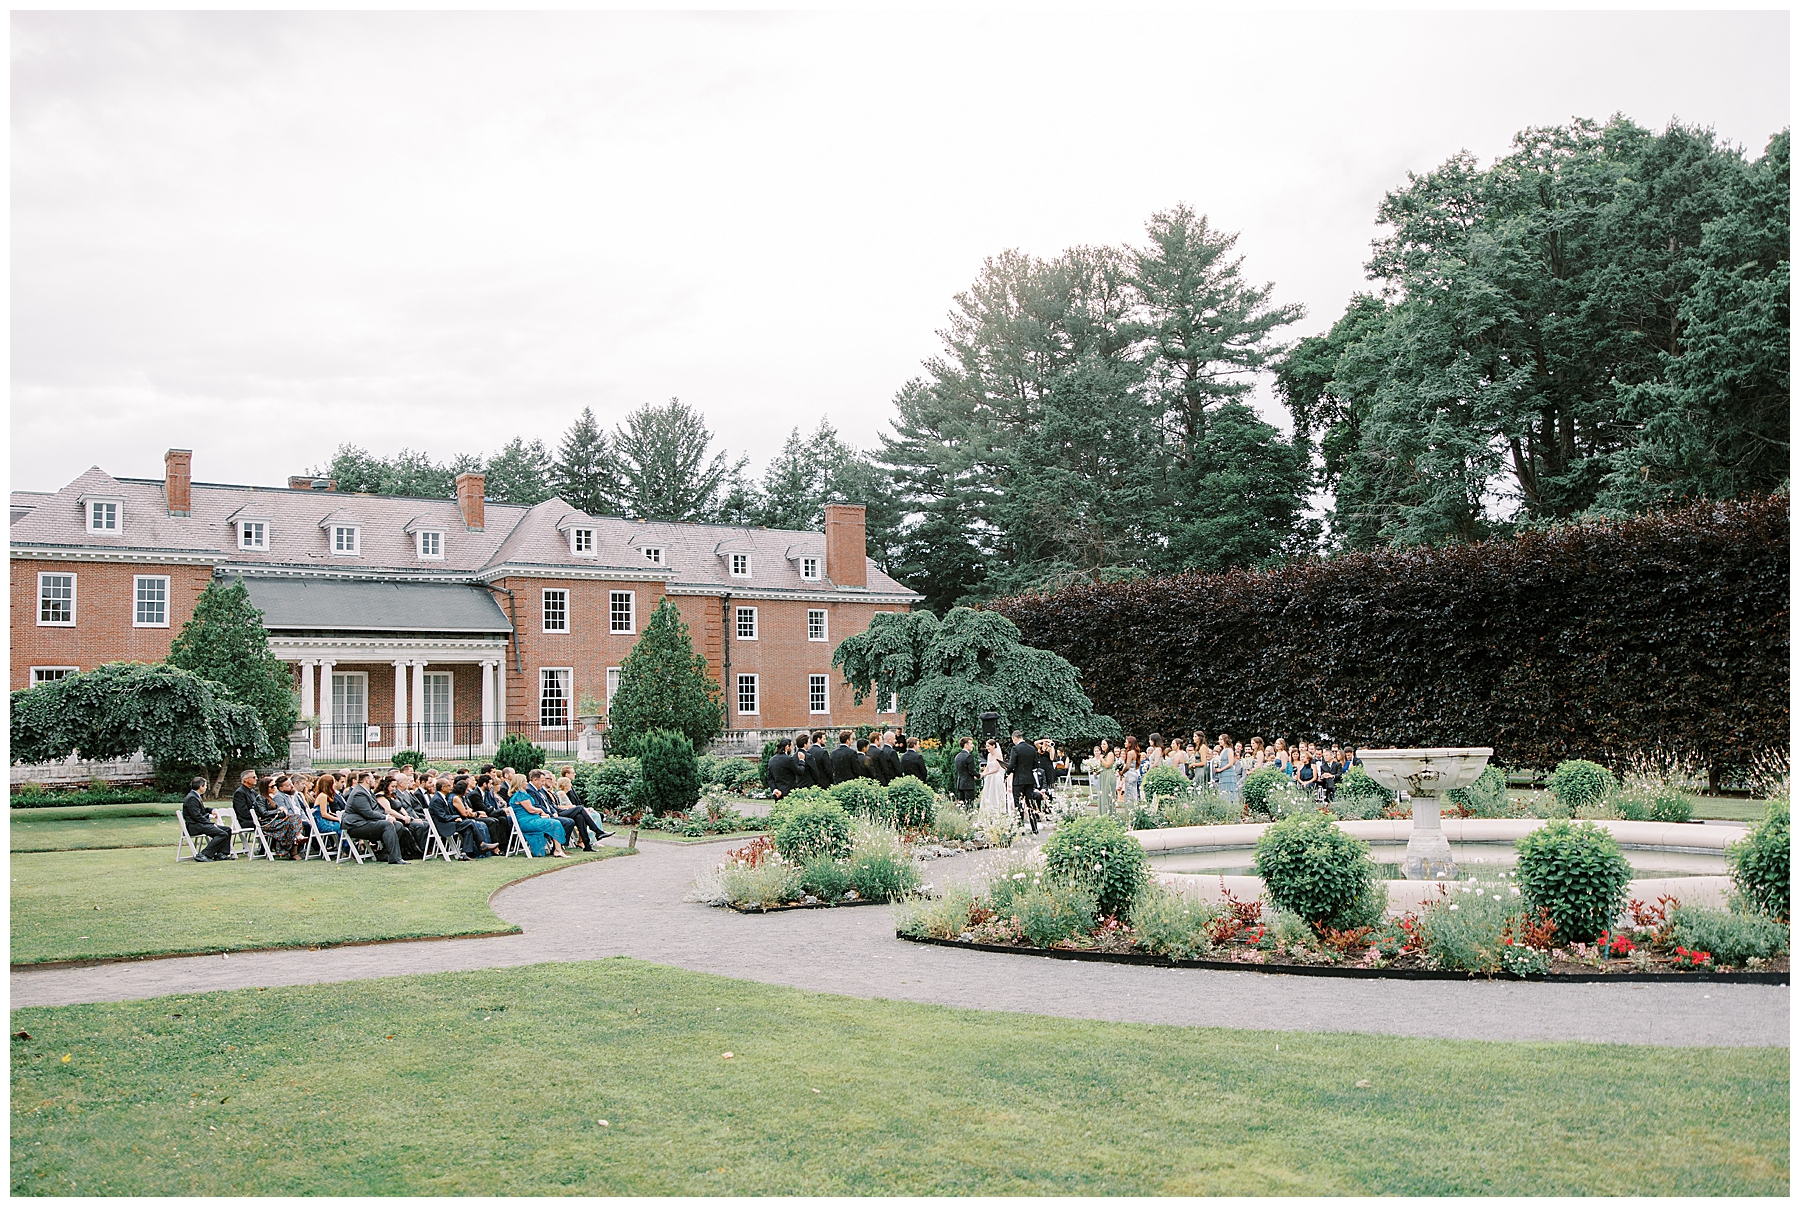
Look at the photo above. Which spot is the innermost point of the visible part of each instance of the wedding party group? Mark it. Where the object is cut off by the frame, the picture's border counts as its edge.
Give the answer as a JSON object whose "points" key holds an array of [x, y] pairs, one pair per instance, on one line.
{"points": [[1117, 775]]}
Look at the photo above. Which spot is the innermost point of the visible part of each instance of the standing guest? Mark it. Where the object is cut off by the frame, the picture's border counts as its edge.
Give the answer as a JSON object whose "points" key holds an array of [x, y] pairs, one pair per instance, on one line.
{"points": [[803, 774], [1105, 780], [868, 761], [1045, 775], [913, 762], [243, 801], [1201, 760], [818, 762], [1154, 753], [966, 774], [1022, 763], [364, 818], [1131, 772], [1225, 768], [846, 764], [543, 833], [199, 822], [1178, 757], [784, 772], [884, 761]]}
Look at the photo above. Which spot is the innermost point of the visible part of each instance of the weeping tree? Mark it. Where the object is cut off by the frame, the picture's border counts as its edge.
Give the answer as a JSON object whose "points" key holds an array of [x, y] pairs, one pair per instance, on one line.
{"points": [[664, 684], [121, 708], [947, 673]]}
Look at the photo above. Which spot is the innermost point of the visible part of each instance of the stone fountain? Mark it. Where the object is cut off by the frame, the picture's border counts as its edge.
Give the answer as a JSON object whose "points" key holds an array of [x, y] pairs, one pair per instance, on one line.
{"points": [[1423, 774]]}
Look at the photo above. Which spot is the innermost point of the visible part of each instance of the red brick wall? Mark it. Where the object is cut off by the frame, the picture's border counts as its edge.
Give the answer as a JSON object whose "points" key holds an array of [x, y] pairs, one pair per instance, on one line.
{"points": [[589, 647], [104, 604]]}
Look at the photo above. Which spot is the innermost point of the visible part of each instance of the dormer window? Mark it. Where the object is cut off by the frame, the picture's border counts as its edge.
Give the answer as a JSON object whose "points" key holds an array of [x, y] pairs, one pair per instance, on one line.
{"points": [[653, 554], [431, 544], [346, 540], [581, 542], [253, 534], [809, 568], [740, 565], [102, 515]]}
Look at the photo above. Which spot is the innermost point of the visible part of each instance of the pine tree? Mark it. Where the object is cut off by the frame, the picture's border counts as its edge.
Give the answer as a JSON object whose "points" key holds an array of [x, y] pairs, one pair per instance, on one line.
{"points": [[662, 469], [584, 474], [225, 641], [664, 684], [519, 473]]}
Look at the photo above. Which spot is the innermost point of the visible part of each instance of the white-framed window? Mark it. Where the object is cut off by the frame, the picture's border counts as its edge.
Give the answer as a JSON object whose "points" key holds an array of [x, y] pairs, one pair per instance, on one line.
{"points": [[581, 542], [553, 696], [622, 611], [612, 684], [253, 534], [748, 700], [349, 708], [56, 599], [893, 703], [50, 674], [746, 624], [653, 554], [809, 568], [556, 610], [346, 540], [151, 607], [436, 707], [815, 625], [103, 516], [431, 544], [818, 694], [740, 565]]}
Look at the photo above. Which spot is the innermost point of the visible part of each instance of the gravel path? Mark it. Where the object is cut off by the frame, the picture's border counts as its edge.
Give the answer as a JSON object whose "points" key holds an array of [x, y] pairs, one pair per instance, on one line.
{"points": [[634, 907]]}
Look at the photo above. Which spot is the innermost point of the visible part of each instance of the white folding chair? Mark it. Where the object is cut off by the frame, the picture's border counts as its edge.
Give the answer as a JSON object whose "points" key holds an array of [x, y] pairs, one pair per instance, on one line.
{"points": [[516, 842], [254, 841], [434, 842], [317, 845], [187, 841]]}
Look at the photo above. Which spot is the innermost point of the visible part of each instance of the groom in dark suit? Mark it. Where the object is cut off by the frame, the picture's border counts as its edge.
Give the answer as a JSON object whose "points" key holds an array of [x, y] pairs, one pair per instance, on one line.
{"points": [[1022, 764]]}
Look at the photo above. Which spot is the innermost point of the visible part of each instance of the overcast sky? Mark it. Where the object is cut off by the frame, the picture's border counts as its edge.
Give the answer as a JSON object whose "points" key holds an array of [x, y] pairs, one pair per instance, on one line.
{"points": [[262, 235]]}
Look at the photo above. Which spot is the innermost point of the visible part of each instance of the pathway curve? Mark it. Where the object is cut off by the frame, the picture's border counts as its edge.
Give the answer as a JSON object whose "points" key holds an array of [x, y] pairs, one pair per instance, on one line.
{"points": [[634, 907]]}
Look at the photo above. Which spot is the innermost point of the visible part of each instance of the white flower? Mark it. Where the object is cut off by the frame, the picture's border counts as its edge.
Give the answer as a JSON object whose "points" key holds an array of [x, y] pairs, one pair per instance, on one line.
{"points": [[1515, 891], [1096, 867], [1453, 905], [1496, 896]]}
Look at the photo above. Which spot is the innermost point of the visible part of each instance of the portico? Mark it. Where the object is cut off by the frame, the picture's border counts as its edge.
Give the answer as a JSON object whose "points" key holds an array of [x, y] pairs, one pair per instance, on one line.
{"points": [[440, 694]]}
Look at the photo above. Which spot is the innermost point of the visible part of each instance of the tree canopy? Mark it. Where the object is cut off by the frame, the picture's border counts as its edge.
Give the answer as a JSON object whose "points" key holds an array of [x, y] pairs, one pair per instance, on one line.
{"points": [[947, 673], [120, 708], [664, 684], [224, 642]]}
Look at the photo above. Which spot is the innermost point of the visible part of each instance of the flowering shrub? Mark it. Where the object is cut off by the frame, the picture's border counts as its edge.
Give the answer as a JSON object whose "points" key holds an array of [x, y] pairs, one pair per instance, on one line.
{"points": [[1256, 789], [1464, 928], [825, 878], [1096, 854], [1521, 960], [882, 877], [943, 917], [812, 830], [1692, 959], [1396, 936], [1617, 946], [1239, 919], [752, 853]]}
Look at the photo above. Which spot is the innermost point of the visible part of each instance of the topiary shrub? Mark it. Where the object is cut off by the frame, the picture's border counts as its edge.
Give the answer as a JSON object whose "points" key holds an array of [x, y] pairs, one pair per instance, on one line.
{"points": [[825, 878], [606, 785], [1759, 863], [910, 802], [1256, 789], [1312, 868], [402, 758], [814, 830], [1731, 939], [1486, 797], [882, 877], [1095, 853], [864, 797], [521, 755], [1055, 912], [1575, 871], [668, 773], [1163, 781], [1577, 782]]}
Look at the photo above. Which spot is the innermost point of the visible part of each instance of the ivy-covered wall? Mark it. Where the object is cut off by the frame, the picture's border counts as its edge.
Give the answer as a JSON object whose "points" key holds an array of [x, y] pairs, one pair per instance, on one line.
{"points": [[1590, 641]]}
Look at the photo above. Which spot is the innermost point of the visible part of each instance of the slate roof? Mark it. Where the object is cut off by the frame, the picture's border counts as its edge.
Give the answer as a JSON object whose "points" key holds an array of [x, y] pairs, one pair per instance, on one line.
{"points": [[362, 604], [516, 539]]}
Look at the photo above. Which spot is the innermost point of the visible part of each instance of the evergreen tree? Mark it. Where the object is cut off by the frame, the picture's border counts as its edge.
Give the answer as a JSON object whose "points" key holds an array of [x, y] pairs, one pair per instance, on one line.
{"points": [[224, 641], [664, 684], [662, 468], [948, 673], [584, 474], [1238, 499], [519, 473]]}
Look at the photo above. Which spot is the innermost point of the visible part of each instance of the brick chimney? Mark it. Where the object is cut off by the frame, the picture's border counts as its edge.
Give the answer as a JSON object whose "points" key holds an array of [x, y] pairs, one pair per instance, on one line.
{"points": [[308, 482], [178, 480], [846, 545], [469, 499]]}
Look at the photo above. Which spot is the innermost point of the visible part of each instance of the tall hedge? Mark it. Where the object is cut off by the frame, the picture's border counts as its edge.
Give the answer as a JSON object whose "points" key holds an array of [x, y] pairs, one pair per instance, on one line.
{"points": [[1584, 641]]}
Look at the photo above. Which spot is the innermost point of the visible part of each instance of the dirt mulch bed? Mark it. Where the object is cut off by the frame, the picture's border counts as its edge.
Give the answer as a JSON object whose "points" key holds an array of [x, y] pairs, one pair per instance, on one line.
{"points": [[1562, 971], [754, 908]]}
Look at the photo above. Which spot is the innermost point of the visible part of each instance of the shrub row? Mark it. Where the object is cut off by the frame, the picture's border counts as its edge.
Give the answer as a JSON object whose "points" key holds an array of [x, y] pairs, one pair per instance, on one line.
{"points": [[1585, 641]]}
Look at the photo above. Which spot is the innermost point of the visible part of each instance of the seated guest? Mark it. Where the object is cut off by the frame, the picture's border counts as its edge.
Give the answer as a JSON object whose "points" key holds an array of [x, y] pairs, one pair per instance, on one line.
{"points": [[492, 808], [543, 833], [471, 836], [325, 806], [565, 800], [281, 828], [410, 828], [198, 821], [365, 818], [458, 797], [913, 762], [540, 785], [243, 800]]}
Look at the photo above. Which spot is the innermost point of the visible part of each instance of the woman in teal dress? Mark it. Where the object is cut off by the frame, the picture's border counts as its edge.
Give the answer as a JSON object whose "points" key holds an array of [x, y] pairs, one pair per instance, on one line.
{"points": [[543, 833]]}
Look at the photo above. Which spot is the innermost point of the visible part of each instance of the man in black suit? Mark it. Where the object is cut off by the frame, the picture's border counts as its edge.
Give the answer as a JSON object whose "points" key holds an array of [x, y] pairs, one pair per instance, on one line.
{"points": [[487, 802], [1022, 764], [198, 821], [365, 818], [243, 801], [818, 762], [883, 761], [913, 762], [846, 764], [784, 771], [966, 776], [803, 772], [406, 809]]}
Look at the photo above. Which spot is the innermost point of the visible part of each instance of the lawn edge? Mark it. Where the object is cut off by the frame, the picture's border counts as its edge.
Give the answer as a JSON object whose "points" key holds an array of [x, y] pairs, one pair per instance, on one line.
{"points": [[509, 929], [1327, 970]]}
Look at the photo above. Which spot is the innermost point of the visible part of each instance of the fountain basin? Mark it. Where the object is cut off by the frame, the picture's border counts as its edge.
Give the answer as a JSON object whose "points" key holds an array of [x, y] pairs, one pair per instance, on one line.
{"points": [[1423, 773]]}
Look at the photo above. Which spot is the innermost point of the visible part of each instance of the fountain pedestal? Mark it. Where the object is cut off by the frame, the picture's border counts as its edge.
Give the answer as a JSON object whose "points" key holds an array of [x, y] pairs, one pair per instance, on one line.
{"points": [[1424, 773]]}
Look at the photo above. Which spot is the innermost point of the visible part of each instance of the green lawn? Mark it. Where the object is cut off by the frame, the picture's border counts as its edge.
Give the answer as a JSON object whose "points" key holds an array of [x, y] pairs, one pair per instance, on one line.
{"points": [[94, 828], [76, 905], [354, 1088]]}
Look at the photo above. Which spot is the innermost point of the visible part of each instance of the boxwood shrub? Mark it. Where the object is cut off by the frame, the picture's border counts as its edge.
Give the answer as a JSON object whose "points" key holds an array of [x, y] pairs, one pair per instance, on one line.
{"points": [[1577, 783], [1759, 863], [1312, 868], [1576, 871], [911, 802], [1096, 854], [814, 830], [1163, 781], [864, 797]]}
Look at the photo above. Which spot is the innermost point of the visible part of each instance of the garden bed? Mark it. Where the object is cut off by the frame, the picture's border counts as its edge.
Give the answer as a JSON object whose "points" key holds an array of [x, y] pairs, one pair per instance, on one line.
{"points": [[753, 907], [1565, 971]]}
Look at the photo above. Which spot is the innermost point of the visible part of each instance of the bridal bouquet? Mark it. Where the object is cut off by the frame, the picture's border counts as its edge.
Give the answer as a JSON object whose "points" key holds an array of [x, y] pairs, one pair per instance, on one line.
{"points": [[1091, 765]]}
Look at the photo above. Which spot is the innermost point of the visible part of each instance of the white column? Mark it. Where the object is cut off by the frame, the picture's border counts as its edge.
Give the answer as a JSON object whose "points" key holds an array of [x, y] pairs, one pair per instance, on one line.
{"points": [[325, 665], [418, 695], [400, 704], [500, 701], [487, 700], [306, 687]]}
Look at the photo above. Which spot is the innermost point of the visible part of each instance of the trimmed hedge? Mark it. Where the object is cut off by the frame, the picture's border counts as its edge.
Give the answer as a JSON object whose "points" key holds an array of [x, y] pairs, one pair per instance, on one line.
{"points": [[1590, 640]]}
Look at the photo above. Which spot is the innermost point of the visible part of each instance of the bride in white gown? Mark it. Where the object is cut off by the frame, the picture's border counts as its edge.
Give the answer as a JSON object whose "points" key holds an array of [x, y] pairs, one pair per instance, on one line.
{"points": [[995, 807]]}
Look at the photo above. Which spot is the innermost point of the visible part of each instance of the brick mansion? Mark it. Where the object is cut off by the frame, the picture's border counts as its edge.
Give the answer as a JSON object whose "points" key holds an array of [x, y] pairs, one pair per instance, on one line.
{"points": [[441, 623]]}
